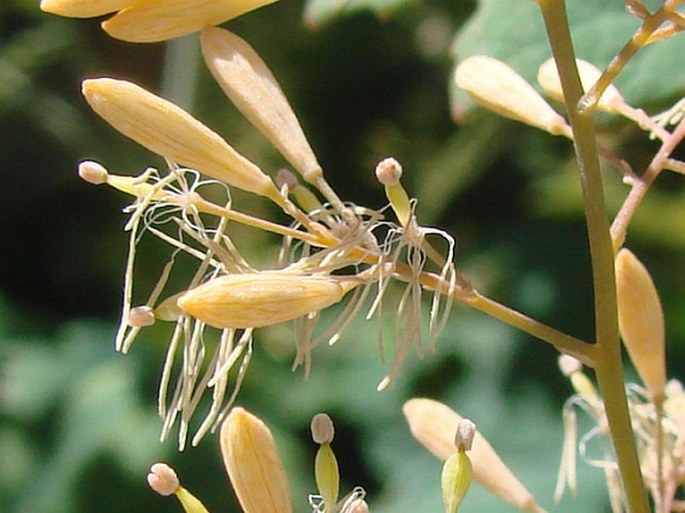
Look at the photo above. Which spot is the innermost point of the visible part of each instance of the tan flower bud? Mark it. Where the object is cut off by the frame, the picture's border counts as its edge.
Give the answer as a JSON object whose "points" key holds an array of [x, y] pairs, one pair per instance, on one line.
{"points": [[171, 132], [83, 8], [261, 299], [497, 87], [251, 86], [433, 424], [548, 77], [159, 20], [253, 464], [641, 321]]}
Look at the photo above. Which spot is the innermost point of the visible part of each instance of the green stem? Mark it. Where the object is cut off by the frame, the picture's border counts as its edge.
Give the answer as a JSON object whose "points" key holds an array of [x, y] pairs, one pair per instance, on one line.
{"points": [[608, 367]]}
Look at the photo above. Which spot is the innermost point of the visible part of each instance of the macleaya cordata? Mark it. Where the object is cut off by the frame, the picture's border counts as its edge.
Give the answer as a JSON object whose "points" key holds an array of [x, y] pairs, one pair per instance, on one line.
{"points": [[332, 252]]}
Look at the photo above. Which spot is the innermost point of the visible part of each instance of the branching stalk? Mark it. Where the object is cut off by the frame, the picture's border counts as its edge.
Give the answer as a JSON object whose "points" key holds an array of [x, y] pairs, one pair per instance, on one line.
{"points": [[608, 366]]}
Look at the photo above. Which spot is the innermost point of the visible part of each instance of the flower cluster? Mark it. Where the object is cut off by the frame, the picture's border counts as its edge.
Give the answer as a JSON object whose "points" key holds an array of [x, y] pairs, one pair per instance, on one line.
{"points": [[331, 252]]}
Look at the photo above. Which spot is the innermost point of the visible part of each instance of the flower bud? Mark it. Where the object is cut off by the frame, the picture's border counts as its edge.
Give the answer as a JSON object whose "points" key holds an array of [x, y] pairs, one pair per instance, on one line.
{"points": [[548, 77], [497, 87], [169, 131], [432, 424], [261, 299], [159, 20], [388, 173], [83, 8], [92, 172], [251, 86], [253, 464], [641, 322]]}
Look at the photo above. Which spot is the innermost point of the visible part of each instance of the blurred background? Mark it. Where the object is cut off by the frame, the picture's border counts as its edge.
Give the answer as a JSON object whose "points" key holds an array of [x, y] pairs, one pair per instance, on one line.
{"points": [[368, 79]]}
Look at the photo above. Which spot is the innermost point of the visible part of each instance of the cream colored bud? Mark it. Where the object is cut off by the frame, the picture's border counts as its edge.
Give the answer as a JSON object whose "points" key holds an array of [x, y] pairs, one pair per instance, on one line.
{"points": [[84, 8], [495, 86], [92, 172], [171, 132], [641, 321], [141, 316], [251, 86], [357, 506], [548, 77], [261, 299], [432, 424], [253, 464], [389, 171], [322, 429], [162, 479], [159, 20]]}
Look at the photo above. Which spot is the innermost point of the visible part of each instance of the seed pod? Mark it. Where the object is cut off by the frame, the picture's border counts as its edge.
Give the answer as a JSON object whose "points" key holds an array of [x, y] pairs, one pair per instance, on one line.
{"points": [[159, 20], [253, 464], [171, 132], [641, 321], [495, 86], [261, 299], [432, 424]]}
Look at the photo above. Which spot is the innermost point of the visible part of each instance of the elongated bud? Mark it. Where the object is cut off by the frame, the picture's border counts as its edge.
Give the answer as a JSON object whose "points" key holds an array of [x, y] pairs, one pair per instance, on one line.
{"points": [[159, 20], [261, 299], [171, 132], [641, 322], [251, 86], [253, 464], [163, 480], [93, 172], [305, 198], [548, 77], [388, 173], [83, 8], [325, 464], [497, 87], [432, 424]]}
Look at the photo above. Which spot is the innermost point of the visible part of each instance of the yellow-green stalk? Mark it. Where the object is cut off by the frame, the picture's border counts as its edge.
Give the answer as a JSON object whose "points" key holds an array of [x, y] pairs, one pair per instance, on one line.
{"points": [[325, 463]]}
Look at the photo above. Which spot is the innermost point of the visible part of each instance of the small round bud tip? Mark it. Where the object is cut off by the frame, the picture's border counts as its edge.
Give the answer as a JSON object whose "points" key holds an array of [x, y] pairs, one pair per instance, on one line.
{"points": [[568, 365], [322, 429], [358, 506], [141, 316], [463, 439], [389, 171], [286, 177], [162, 479], [92, 172]]}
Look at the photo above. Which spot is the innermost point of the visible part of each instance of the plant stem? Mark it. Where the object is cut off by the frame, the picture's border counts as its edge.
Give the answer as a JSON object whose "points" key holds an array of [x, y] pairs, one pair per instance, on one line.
{"points": [[608, 366]]}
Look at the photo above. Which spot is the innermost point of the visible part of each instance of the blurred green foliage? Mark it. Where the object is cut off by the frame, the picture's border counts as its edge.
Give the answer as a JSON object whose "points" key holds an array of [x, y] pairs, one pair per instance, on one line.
{"points": [[77, 421]]}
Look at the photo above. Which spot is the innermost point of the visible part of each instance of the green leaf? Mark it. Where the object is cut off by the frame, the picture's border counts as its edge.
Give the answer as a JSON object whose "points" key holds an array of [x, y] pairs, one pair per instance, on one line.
{"points": [[514, 33]]}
